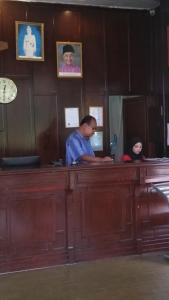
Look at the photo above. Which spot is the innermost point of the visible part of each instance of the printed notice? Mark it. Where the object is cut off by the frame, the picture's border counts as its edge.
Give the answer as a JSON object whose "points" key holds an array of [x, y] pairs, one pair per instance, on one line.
{"points": [[71, 117], [97, 113]]}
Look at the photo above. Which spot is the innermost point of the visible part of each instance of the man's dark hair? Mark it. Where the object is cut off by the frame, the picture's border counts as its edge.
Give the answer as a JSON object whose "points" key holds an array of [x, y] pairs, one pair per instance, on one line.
{"points": [[68, 48], [87, 119]]}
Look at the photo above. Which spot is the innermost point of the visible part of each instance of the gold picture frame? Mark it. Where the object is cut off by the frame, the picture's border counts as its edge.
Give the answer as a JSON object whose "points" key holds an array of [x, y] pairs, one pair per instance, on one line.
{"points": [[29, 41], [69, 59]]}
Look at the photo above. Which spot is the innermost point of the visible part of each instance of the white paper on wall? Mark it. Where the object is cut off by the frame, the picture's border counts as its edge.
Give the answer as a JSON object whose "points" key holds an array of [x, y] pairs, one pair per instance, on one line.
{"points": [[71, 117], [97, 113]]}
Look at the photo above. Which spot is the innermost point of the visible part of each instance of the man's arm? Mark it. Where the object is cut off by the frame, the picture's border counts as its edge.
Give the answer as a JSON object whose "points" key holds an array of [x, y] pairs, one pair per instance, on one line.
{"points": [[89, 158], [76, 153]]}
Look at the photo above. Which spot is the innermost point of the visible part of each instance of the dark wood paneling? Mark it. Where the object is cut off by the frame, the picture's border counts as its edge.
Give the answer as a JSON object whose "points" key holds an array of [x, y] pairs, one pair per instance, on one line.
{"points": [[94, 232], [157, 56], [19, 126], [144, 111], [153, 210], [67, 23], [94, 51], [60, 215], [117, 44], [32, 218], [46, 127], [111, 39], [105, 177], [106, 191], [1, 39], [155, 127], [135, 120], [2, 130], [52, 217], [140, 52], [164, 88]]}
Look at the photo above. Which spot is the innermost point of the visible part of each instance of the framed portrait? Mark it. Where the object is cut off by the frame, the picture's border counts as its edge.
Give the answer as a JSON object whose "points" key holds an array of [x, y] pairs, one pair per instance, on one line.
{"points": [[69, 59], [29, 41]]}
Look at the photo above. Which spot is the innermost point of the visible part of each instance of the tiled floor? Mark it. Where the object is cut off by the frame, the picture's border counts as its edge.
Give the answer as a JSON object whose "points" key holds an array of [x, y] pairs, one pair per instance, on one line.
{"points": [[143, 277]]}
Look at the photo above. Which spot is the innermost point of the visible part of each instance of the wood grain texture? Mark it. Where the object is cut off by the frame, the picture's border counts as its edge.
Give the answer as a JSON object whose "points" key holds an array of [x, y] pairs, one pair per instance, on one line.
{"points": [[116, 57], [54, 216]]}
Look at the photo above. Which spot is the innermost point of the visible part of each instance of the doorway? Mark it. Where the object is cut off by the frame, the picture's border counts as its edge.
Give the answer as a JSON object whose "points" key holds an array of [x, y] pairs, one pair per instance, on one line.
{"points": [[127, 118], [135, 120]]}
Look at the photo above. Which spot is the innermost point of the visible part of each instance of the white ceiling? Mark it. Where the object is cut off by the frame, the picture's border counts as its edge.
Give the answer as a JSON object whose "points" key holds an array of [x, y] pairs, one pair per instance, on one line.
{"points": [[127, 4]]}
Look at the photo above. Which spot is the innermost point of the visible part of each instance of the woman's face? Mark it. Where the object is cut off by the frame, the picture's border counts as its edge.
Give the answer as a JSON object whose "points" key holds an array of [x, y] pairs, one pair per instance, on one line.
{"points": [[68, 58], [137, 148]]}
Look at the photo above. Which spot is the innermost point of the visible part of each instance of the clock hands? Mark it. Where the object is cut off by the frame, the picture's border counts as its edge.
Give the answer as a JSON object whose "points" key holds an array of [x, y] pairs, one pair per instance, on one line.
{"points": [[4, 90]]}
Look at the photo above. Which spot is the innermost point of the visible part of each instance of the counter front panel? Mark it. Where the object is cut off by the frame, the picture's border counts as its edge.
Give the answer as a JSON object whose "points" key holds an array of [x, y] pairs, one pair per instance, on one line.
{"points": [[52, 216]]}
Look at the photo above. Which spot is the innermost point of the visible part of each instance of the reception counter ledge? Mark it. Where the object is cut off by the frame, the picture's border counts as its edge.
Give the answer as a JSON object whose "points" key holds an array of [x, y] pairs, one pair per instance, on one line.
{"points": [[51, 216]]}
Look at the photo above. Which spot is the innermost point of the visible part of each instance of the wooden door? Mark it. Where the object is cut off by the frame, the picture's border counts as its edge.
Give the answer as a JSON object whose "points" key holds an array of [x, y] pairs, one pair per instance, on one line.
{"points": [[135, 120]]}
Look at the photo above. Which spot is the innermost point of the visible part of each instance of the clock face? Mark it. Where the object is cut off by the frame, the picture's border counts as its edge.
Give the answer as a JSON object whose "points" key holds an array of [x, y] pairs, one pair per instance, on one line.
{"points": [[8, 90]]}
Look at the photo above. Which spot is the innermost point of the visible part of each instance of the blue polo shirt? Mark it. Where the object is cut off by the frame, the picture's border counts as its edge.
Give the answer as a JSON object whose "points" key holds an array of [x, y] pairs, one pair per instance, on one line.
{"points": [[76, 146]]}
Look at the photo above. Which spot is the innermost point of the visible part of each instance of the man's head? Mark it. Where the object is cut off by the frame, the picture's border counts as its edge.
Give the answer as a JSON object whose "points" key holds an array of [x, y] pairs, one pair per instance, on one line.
{"points": [[88, 126], [68, 52]]}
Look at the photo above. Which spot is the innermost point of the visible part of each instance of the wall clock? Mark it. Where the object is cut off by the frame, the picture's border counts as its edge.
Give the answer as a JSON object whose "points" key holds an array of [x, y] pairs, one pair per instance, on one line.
{"points": [[8, 90]]}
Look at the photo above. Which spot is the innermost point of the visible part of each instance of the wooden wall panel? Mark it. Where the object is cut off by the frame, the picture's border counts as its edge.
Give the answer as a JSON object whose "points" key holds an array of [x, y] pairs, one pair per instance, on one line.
{"points": [[140, 52], [1, 39], [157, 56], [115, 61], [134, 114], [69, 95], [94, 51], [20, 121], [2, 130], [105, 192], [22, 231], [46, 127], [59, 215], [164, 68], [155, 126], [32, 219], [3, 223], [92, 230], [3, 228], [117, 44], [67, 23]]}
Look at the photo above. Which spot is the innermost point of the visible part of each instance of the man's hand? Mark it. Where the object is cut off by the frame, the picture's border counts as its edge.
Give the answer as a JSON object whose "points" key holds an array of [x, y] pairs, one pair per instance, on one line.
{"points": [[107, 158]]}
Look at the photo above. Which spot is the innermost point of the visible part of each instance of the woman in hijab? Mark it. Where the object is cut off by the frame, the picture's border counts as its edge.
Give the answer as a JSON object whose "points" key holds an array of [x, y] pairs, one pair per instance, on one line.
{"points": [[134, 152]]}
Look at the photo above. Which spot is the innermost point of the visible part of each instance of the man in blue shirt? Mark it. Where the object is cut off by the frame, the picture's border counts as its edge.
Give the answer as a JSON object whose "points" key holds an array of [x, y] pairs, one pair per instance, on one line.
{"points": [[78, 147]]}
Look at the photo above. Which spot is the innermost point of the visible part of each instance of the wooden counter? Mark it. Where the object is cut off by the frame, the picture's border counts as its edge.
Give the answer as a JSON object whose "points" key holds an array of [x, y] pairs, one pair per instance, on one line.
{"points": [[52, 216]]}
